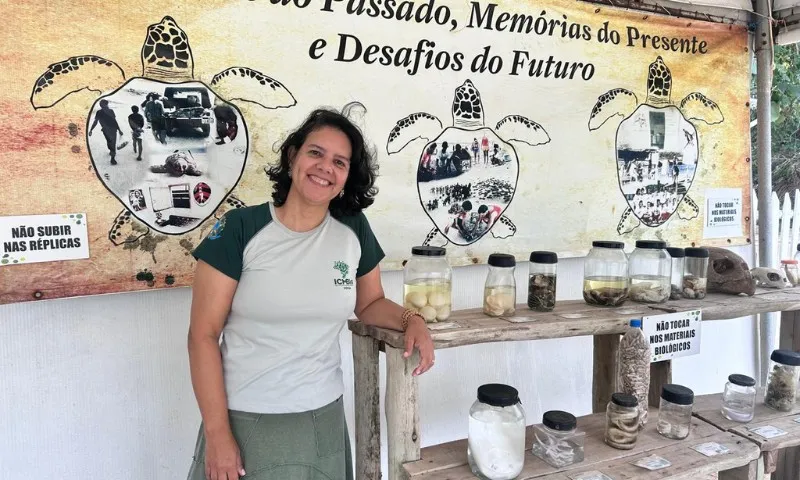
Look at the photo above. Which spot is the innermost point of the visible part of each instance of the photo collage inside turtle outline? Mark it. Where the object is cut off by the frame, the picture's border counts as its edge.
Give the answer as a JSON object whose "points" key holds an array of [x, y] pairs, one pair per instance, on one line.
{"points": [[657, 154], [465, 179], [184, 136]]}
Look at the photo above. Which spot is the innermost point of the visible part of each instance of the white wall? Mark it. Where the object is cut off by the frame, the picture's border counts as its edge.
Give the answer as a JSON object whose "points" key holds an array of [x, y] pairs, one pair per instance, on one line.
{"points": [[99, 387]]}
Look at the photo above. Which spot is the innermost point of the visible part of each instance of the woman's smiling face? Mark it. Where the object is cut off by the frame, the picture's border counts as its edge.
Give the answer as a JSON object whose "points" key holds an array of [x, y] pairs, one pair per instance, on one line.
{"points": [[319, 168]]}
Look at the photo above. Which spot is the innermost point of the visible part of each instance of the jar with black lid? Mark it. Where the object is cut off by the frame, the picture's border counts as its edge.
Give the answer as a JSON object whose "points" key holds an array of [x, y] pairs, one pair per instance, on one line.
{"points": [[557, 441], [605, 274], [739, 398], [650, 269], [677, 257], [622, 421], [496, 439], [783, 379], [695, 277], [675, 411], [427, 283], [542, 281], [500, 290]]}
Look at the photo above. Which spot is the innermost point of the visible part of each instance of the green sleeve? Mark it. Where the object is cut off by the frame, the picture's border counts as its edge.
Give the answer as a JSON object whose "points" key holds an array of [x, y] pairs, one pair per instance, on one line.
{"points": [[371, 252], [223, 247]]}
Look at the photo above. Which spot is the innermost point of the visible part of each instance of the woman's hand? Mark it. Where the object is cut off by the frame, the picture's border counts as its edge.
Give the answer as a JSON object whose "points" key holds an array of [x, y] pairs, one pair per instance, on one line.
{"points": [[223, 460], [418, 335]]}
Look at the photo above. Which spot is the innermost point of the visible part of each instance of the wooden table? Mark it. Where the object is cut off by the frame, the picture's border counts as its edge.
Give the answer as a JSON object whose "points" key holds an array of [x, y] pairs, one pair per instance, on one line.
{"points": [[471, 326], [778, 452]]}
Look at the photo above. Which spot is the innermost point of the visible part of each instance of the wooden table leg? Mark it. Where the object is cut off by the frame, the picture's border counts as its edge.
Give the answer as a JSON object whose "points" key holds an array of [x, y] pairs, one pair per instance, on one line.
{"points": [[660, 375], [367, 408], [604, 380], [752, 471], [402, 414]]}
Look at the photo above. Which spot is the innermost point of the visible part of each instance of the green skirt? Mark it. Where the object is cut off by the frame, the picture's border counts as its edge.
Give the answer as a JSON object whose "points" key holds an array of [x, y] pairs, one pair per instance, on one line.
{"points": [[311, 445]]}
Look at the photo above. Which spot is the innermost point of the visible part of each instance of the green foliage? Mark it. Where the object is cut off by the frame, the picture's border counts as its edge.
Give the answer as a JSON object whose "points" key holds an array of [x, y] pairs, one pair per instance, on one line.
{"points": [[785, 102]]}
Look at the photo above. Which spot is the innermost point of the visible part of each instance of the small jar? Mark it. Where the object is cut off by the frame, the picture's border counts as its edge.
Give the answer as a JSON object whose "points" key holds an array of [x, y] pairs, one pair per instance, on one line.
{"points": [[695, 273], [557, 441], [739, 398], [622, 421], [496, 439], [650, 267], [542, 281], [675, 411], [789, 267], [605, 274], [427, 283], [783, 378], [500, 290], [676, 274]]}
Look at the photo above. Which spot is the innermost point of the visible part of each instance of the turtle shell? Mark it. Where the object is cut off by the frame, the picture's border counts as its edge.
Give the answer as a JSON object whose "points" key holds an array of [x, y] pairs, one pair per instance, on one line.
{"points": [[457, 177], [190, 136], [657, 156]]}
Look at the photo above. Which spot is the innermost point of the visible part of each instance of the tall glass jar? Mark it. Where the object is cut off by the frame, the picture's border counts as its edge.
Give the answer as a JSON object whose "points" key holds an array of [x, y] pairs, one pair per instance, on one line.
{"points": [[542, 281], [496, 439], [557, 441], [500, 290], [427, 283], [784, 371], [676, 273], [605, 274], [739, 398], [650, 267], [695, 277], [791, 271], [622, 421], [675, 411]]}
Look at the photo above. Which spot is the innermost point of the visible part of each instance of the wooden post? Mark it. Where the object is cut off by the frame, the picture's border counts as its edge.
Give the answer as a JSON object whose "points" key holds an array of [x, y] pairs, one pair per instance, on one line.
{"points": [[402, 415], [660, 375], [604, 380], [752, 471], [367, 408], [786, 462]]}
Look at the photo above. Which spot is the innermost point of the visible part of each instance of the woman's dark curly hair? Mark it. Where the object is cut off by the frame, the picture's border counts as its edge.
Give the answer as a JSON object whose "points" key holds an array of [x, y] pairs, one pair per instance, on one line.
{"points": [[359, 189]]}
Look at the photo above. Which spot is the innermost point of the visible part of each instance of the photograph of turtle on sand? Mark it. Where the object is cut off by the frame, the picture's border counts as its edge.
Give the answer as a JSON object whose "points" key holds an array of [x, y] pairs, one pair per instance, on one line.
{"points": [[467, 172]]}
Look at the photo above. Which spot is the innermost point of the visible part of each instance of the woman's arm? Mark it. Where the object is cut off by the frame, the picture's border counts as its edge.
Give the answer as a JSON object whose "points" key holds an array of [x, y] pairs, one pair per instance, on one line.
{"points": [[373, 308], [212, 294]]}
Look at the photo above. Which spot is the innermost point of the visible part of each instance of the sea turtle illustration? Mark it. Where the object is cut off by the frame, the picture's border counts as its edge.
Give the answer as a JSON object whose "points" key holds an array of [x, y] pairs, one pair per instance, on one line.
{"points": [[467, 173], [168, 101], [657, 147]]}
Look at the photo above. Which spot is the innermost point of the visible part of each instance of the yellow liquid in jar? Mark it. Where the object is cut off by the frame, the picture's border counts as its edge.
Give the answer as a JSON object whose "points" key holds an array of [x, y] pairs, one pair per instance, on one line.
{"points": [[431, 298], [605, 291], [499, 301]]}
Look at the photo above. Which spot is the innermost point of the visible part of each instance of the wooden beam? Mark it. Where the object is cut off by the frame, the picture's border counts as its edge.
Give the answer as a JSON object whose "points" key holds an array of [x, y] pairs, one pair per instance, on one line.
{"points": [[367, 408], [402, 413], [604, 380]]}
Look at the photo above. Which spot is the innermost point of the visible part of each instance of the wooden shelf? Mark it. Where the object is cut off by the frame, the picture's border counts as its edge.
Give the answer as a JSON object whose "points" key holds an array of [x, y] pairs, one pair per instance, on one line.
{"points": [[575, 318], [448, 461]]}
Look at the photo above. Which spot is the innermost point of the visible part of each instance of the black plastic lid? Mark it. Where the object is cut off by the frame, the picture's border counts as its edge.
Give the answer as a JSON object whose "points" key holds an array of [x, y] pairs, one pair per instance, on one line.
{"points": [[608, 244], [502, 260], [786, 357], [677, 394], [498, 395], [798, 247], [558, 420], [543, 257], [428, 251], [675, 252], [624, 399], [742, 380], [696, 252], [653, 244]]}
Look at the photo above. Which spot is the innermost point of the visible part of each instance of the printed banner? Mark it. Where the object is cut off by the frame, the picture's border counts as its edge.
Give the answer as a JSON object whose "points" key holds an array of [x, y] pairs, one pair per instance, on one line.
{"points": [[501, 126]]}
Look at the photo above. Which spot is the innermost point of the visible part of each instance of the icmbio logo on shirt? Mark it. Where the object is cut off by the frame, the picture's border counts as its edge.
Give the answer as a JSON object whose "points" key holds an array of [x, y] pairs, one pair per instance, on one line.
{"points": [[344, 269]]}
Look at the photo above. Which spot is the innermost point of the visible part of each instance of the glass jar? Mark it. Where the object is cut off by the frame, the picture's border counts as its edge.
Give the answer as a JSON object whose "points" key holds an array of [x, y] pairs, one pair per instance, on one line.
{"points": [[500, 290], [557, 441], [650, 267], [605, 274], [783, 378], [676, 274], [675, 411], [622, 421], [789, 267], [739, 398], [427, 283], [542, 281], [496, 439], [695, 273]]}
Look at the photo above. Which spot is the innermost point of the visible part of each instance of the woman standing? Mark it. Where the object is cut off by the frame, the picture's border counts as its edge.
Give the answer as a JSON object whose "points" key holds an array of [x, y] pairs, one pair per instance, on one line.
{"points": [[278, 281]]}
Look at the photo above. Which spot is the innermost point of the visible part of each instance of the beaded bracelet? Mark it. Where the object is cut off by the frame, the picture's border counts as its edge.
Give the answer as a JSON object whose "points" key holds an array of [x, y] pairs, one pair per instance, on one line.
{"points": [[407, 314]]}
